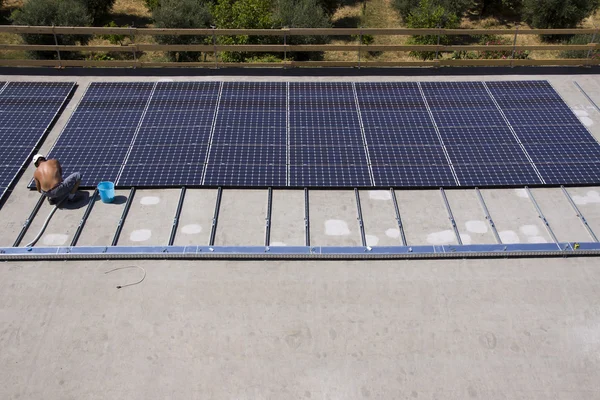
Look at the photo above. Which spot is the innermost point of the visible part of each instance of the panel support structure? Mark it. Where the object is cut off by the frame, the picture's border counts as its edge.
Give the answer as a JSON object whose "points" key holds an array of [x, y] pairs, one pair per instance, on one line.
{"points": [[268, 217], [451, 216], [123, 217], [541, 215], [398, 218], [177, 215], [586, 96], [580, 215], [88, 210], [361, 225], [28, 221], [306, 218], [215, 220], [488, 217]]}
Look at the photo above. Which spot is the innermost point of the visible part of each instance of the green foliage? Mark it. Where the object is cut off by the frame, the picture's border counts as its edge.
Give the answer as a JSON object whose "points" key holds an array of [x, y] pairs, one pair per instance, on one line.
{"points": [[457, 7], [243, 14], [114, 38], [152, 4], [302, 14], [544, 14], [182, 14], [98, 9], [580, 39], [52, 12], [428, 15], [329, 6], [491, 40], [491, 7]]}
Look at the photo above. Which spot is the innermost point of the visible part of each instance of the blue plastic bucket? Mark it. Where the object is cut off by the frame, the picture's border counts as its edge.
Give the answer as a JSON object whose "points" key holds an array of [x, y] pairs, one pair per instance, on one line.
{"points": [[107, 191]]}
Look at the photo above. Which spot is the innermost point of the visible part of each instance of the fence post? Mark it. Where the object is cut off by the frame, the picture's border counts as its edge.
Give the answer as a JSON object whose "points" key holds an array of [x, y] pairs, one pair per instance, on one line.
{"points": [[589, 54], [215, 47], [437, 49], [359, 45], [284, 46], [132, 36], [57, 49], [512, 57]]}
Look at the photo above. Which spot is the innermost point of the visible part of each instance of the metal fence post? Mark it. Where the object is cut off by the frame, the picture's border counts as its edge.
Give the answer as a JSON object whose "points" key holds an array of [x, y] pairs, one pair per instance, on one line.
{"points": [[589, 54], [57, 49], [215, 47], [437, 49], [512, 57], [132, 36], [359, 46]]}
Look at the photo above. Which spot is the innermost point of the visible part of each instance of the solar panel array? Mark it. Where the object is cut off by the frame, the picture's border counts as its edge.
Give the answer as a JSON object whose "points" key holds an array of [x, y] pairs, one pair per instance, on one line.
{"points": [[27, 109], [334, 134]]}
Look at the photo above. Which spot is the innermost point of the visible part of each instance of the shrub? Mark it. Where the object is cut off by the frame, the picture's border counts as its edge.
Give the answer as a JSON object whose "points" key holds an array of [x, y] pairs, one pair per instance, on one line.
{"points": [[457, 7], [52, 12], [302, 14], [579, 39], [182, 14], [152, 4], [98, 9], [428, 15], [543, 14], [243, 14], [114, 38], [491, 40]]}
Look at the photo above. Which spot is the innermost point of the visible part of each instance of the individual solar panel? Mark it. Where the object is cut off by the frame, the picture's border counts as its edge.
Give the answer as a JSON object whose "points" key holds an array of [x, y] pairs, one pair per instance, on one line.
{"points": [[477, 135], [461, 103], [318, 155], [27, 110], [326, 136], [320, 119], [177, 118], [321, 89], [119, 89], [104, 119], [449, 89], [250, 118], [570, 173], [397, 104], [386, 119], [387, 90], [245, 175], [161, 175], [486, 154], [173, 135], [553, 134], [407, 155], [496, 175], [413, 176], [95, 137], [330, 175], [167, 155], [398, 136], [247, 155], [315, 104], [106, 155], [253, 103], [541, 117], [558, 153], [242, 135], [466, 119]]}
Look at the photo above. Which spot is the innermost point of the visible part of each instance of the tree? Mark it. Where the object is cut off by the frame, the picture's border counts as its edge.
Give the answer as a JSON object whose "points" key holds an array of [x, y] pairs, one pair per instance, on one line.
{"points": [[580, 39], [302, 14], [428, 15], [182, 14], [243, 14], [457, 7], [52, 12], [98, 9], [543, 14]]}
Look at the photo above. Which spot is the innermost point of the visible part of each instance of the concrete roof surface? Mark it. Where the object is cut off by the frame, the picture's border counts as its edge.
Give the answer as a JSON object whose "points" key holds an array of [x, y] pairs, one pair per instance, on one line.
{"points": [[418, 329]]}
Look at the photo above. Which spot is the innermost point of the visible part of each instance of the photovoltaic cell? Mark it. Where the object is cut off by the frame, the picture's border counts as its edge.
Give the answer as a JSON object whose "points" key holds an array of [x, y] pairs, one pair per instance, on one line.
{"points": [[386, 119], [570, 173], [485, 154], [407, 155], [249, 135], [173, 135], [413, 176], [558, 153], [496, 175], [553, 134], [477, 135], [245, 175], [317, 155], [161, 175], [326, 136], [106, 155], [398, 136], [247, 155], [167, 154], [329, 175]]}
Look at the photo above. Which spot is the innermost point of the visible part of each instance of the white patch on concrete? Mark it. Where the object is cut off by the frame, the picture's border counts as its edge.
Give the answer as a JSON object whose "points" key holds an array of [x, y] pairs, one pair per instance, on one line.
{"points": [[537, 239], [393, 233], [529, 230], [586, 121], [336, 227], [590, 197], [442, 237], [476, 226], [191, 229], [380, 195], [372, 240], [581, 113], [522, 193], [465, 238], [55, 239], [149, 200], [140, 235], [508, 237], [278, 244]]}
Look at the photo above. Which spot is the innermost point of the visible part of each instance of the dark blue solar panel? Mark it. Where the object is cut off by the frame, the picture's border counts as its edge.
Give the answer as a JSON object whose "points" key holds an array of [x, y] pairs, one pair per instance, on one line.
{"points": [[30, 104], [251, 118], [161, 175], [167, 154], [486, 154], [321, 89], [386, 119], [463, 103], [450, 89], [112, 104], [92, 174], [553, 134], [323, 104], [14, 155], [377, 104], [317, 155], [329, 175], [466, 119], [186, 89], [205, 104], [331, 136], [252, 89], [496, 175], [570, 174], [107, 155], [119, 89], [254, 103], [19, 137], [95, 137], [540, 117], [387, 90], [245, 175], [178, 118], [178, 135], [106, 119], [249, 135], [247, 155], [407, 155], [564, 152], [477, 135], [38, 121], [413, 176], [323, 119], [399, 136], [57, 90]]}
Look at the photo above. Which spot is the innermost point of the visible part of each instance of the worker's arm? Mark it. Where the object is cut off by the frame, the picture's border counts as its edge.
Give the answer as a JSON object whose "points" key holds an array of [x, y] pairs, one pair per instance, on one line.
{"points": [[59, 167], [37, 185]]}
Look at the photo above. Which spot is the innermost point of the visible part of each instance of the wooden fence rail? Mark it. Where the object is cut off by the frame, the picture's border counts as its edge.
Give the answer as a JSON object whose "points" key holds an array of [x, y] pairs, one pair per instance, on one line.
{"points": [[136, 48]]}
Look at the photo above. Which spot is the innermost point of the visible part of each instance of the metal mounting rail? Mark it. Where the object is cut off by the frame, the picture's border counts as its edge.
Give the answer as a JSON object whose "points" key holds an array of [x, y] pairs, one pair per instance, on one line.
{"points": [[488, 216], [566, 249], [361, 225], [123, 216], [81, 225], [398, 218], [176, 217], [579, 214], [268, 217], [451, 216], [306, 219], [28, 221], [215, 220], [541, 215]]}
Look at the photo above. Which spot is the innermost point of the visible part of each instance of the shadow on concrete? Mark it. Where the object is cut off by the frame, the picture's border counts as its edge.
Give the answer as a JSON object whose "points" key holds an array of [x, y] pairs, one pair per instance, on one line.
{"points": [[82, 201]]}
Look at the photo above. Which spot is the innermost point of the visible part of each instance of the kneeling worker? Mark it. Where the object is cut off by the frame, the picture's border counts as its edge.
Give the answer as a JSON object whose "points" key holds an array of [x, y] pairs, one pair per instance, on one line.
{"points": [[49, 181]]}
